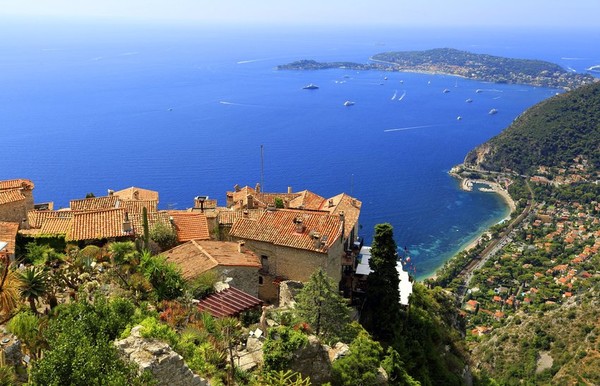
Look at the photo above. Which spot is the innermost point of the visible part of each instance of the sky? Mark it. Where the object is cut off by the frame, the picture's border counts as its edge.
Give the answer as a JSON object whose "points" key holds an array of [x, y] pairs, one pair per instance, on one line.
{"points": [[506, 13]]}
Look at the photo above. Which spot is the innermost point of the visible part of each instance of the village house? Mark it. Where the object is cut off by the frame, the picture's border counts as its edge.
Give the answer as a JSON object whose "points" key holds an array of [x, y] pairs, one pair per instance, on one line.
{"points": [[8, 237], [16, 198], [292, 244], [226, 259]]}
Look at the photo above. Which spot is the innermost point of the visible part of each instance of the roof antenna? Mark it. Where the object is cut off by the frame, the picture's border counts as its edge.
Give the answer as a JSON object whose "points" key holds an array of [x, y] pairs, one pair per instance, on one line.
{"points": [[262, 169]]}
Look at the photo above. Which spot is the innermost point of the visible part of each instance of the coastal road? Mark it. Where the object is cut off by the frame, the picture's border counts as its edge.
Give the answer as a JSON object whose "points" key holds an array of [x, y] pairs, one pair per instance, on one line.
{"points": [[494, 246]]}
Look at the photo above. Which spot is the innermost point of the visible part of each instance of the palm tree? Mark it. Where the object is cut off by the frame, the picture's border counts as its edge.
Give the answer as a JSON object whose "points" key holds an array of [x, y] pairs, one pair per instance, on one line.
{"points": [[9, 292], [123, 252], [32, 285]]}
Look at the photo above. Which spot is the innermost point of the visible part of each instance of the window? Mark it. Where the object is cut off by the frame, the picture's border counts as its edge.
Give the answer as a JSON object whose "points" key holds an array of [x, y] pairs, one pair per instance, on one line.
{"points": [[264, 260], [261, 280]]}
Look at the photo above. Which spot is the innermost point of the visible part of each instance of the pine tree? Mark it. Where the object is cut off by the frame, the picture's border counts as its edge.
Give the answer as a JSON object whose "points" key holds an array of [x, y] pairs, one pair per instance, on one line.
{"points": [[323, 308], [381, 311]]}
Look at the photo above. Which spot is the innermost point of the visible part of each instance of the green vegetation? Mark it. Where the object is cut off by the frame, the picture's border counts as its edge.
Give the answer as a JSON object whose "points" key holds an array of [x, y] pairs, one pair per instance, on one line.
{"points": [[552, 134], [319, 304], [466, 64], [382, 306]]}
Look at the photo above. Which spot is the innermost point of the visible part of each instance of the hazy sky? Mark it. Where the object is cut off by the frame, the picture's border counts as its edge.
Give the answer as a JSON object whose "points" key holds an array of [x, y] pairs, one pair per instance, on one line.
{"points": [[550, 13]]}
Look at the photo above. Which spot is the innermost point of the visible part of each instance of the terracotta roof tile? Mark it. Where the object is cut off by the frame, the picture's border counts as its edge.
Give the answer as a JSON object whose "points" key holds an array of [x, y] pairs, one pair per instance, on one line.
{"points": [[97, 225], [229, 302], [137, 206], [190, 225], [56, 226], [8, 234], [36, 218], [228, 217], [137, 221], [134, 193], [280, 227], [346, 204], [94, 203], [307, 200], [196, 257], [20, 183], [13, 195]]}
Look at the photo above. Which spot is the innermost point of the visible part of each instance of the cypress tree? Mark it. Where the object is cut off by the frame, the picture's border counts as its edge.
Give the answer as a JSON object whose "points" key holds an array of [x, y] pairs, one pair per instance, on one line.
{"points": [[381, 311]]}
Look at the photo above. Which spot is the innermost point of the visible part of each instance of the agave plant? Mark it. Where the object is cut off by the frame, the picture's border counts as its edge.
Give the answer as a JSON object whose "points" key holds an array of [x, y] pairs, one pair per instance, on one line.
{"points": [[32, 285]]}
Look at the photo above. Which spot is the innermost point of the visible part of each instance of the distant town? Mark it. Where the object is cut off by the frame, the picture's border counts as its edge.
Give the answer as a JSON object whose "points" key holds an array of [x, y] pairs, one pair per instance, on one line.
{"points": [[449, 61]]}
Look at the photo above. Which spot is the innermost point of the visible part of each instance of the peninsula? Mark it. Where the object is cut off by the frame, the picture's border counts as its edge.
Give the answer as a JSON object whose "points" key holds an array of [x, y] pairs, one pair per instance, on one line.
{"points": [[469, 65]]}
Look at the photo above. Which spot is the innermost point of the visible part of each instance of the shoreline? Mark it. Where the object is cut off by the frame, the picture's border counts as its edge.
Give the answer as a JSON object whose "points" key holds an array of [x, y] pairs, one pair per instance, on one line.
{"points": [[466, 184]]}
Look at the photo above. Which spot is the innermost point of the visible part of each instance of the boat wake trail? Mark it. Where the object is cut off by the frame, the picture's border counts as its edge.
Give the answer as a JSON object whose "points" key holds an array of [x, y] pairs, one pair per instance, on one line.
{"points": [[238, 104], [253, 60], [402, 96], [409, 128], [395, 93]]}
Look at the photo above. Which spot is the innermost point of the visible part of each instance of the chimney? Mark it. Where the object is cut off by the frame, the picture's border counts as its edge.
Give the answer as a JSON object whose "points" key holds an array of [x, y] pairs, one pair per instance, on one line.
{"points": [[127, 224], [136, 195], [257, 187], [289, 190], [241, 247], [245, 213], [299, 224], [236, 188], [250, 202], [110, 192], [330, 202]]}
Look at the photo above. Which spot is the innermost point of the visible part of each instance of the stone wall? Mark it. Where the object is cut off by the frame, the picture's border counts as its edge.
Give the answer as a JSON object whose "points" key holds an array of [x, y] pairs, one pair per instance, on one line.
{"points": [[166, 365], [17, 211], [244, 278]]}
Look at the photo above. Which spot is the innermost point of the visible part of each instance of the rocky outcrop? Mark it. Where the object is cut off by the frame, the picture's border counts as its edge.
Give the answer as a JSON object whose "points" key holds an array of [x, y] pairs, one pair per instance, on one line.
{"points": [[288, 290], [167, 367], [313, 361]]}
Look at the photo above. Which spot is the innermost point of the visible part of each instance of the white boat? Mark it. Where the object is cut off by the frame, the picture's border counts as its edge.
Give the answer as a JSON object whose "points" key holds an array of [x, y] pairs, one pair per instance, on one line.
{"points": [[493, 111], [479, 91], [469, 100], [446, 91], [348, 103], [311, 86], [458, 118]]}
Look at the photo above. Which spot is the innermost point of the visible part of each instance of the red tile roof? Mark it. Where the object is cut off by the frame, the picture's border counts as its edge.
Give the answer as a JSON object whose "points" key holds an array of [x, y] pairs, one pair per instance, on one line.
{"points": [[307, 200], [56, 226], [137, 221], [97, 225], [8, 234], [16, 184], [229, 302], [196, 257], [228, 217], [94, 203], [189, 225], [280, 227], [137, 206], [349, 206], [134, 193], [13, 195], [36, 218]]}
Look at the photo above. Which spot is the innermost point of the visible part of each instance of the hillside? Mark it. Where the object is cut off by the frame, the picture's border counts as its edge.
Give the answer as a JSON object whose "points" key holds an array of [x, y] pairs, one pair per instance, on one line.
{"points": [[469, 65], [551, 134]]}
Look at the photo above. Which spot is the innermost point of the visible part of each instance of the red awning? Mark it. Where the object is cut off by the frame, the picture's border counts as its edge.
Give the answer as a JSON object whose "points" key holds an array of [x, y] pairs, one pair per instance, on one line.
{"points": [[229, 302]]}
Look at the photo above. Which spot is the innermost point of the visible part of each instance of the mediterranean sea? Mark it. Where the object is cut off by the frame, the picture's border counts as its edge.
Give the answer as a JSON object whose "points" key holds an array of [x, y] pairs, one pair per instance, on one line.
{"points": [[185, 109]]}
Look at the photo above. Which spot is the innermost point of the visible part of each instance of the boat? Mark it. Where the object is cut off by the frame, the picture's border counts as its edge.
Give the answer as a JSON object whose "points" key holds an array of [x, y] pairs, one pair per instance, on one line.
{"points": [[446, 91], [311, 86], [493, 111], [479, 91], [469, 100], [385, 78], [348, 103], [458, 118]]}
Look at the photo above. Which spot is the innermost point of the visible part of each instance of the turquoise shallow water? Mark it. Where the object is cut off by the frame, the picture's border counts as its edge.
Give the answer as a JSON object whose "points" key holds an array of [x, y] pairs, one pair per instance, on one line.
{"points": [[184, 110]]}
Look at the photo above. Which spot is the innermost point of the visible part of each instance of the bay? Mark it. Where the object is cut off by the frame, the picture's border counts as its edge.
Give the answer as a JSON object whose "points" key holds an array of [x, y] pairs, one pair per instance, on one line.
{"points": [[184, 110]]}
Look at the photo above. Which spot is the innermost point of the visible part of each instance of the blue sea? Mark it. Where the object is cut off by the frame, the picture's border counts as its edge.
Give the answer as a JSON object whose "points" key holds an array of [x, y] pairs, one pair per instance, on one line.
{"points": [[185, 109]]}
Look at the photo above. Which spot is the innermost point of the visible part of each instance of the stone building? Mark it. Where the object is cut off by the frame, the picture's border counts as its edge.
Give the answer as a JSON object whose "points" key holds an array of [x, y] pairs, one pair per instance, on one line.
{"points": [[16, 198], [292, 244], [227, 259]]}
